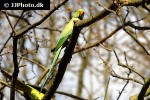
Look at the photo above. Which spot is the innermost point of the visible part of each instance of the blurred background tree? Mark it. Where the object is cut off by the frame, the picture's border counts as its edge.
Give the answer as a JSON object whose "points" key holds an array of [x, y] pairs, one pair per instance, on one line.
{"points": [[113, 69]]}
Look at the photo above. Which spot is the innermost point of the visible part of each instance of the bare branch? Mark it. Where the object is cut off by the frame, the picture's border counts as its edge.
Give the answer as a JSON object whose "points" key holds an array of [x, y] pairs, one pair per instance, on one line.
{"points": [[134, 3], [106, 89], [128, 67], [137, 41], [16, 69], [22, 32], [70, 95], [128, 74], [96, 17], [138, 27], [13, 29], [124, 78], [104, 6]]}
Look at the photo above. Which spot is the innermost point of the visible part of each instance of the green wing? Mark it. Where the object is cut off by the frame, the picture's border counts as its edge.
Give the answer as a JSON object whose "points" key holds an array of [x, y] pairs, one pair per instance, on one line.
{"points": [[67, 31]]}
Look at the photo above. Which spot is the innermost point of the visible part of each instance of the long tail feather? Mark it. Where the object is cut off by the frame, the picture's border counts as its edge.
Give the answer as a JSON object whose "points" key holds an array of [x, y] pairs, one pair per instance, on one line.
{"points": [[52, 66]]}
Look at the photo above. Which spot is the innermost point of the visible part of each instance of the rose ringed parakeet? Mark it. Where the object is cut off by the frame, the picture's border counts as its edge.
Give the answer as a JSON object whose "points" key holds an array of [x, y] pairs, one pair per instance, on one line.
{"points": [[65, 35]]}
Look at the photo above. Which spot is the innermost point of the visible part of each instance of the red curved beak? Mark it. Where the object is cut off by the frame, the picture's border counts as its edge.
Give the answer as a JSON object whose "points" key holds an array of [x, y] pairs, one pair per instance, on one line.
{"points": [[81, 14]]}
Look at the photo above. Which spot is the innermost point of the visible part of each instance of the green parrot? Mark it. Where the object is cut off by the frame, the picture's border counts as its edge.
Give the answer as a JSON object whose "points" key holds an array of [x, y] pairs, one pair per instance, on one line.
{"points": [[65, 35]]}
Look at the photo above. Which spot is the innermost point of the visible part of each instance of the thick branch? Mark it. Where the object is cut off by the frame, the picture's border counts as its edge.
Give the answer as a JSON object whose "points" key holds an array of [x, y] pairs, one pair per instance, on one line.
{"points": [[143, 90], [147, 93], [16, 69], [138, 27], [96, 17], [105, 12]]}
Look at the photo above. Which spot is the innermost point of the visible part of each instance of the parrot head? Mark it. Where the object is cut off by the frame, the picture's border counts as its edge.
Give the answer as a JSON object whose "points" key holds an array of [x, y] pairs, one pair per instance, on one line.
{"points": [[79, 14]]}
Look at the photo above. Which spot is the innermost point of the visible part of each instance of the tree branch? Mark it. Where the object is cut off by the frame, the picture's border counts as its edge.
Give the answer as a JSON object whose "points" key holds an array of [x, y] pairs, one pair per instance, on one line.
{"points": [[22, 32], [144, 89], [96, 17], [137, 41], [134, 3], [138, 27], [13, 29], [16, 69], [70, 95]]}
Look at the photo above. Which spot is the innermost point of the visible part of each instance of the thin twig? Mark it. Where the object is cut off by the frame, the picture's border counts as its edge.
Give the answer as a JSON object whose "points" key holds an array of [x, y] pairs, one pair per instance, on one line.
{"points": [[106, 89], [123, 78], [24, 31], [13, 29], [70, 95], [43, 68], [104, 6], [136, 41], [5, 44], [128, 74], [128, 67], [19, 17]]}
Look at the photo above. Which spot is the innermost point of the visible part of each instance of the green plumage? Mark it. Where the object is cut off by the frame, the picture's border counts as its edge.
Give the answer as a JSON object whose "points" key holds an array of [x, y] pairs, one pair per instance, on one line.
{"points": [[66, 33]]}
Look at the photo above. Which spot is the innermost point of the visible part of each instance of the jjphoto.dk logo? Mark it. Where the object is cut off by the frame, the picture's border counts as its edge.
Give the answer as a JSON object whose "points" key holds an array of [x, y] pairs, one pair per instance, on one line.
{"points": [[25, 5]]}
